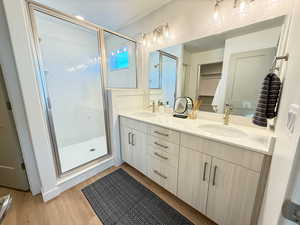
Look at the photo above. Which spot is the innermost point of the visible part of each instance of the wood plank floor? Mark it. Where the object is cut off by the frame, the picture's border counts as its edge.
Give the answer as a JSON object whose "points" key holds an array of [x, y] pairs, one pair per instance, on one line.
{"points": [[71, 207]]}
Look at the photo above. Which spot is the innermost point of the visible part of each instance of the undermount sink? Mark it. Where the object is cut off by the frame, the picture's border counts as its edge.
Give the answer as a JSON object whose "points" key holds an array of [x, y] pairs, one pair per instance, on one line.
{"points": [[223, 130], [144, 114]]}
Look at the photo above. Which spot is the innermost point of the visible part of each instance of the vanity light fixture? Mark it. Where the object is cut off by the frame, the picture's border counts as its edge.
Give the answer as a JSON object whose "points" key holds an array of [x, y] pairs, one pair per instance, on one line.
{"points": [[159, 34], [241, 4]]}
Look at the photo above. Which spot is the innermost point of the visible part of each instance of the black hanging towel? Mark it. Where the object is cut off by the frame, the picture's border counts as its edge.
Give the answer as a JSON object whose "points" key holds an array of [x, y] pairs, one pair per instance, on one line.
{"points": [[266, 107]]}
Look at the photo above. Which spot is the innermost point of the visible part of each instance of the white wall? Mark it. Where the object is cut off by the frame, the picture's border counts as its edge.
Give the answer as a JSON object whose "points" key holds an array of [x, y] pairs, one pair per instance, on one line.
{"points": [[10, 74], [286, 145], [193, 19]]}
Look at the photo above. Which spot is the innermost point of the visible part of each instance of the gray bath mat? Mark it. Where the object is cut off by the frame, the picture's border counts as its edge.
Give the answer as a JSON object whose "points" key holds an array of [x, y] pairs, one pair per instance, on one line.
{"points": [[119, 199]]}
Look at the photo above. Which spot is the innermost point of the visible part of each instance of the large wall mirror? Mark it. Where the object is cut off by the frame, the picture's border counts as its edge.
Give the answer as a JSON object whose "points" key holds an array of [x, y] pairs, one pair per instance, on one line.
{"points": [[226, 68]]}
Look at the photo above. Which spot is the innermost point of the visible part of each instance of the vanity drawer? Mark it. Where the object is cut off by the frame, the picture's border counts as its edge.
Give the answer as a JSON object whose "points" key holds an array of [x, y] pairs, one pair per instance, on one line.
{"points": [[164, 134], [164, 157], [163, 145], [164, 175], [134, 124]]}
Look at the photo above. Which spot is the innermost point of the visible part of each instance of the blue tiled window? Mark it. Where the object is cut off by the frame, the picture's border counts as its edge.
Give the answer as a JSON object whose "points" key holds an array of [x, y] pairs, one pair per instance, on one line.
{"points": [[119, 59]]}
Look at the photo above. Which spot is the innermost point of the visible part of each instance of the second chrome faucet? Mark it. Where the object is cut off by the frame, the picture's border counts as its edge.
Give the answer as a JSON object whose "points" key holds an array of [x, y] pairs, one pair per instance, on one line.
{"points": [[227, 113]]}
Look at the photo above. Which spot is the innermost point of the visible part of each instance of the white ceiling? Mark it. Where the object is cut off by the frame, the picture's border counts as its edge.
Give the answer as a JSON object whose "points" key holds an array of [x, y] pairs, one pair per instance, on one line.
{"points": [[111, 14]]}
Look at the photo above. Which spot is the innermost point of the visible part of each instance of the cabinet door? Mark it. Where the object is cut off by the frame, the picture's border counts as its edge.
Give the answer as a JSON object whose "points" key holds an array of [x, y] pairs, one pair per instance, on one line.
{"points": [[126, 147], [193, 178], [232, 192], [139, 153]]}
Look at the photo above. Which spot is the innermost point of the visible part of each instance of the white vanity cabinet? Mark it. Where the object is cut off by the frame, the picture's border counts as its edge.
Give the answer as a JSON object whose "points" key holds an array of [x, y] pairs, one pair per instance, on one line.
{"points": [[193, 178], [134, 139], [232, 193], [219, 180], [223, 182]]}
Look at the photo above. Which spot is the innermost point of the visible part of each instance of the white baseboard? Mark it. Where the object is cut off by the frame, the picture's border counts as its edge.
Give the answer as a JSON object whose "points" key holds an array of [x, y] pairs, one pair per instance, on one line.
{"points": [[79, 177]]}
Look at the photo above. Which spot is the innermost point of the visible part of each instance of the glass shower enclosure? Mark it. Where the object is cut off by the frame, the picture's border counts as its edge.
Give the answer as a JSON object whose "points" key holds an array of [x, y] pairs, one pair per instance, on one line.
{"points": [[68, 56]]}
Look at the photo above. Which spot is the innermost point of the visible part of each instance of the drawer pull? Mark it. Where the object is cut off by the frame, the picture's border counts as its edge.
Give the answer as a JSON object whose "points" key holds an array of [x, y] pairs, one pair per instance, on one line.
{"points": [[129, 138], [159, 174], [214, 179], [160, 156], [162, 134], [132, 139], [160, 145], [204, 171]]}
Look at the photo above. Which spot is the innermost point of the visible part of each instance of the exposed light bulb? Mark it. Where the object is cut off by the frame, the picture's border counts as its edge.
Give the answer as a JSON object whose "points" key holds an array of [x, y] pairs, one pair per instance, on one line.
{"points": [[148, 43], [144, 40], [154, 37], [159, 39], [217, 11], [79, 17], [166, 31], [242, 6]]}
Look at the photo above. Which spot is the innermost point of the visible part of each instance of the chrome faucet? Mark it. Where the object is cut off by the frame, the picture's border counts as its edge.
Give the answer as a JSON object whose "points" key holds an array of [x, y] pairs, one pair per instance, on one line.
{"points": [[227, 112], [153, 106]]}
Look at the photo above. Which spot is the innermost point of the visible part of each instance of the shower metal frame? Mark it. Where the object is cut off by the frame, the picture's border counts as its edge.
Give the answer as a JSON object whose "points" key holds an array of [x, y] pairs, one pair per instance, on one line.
{"points": [[161, 54], [33, 6]]}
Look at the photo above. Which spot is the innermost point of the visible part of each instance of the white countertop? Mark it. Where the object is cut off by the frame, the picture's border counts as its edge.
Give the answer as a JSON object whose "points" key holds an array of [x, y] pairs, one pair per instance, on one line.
{"points": [[258, 140]]}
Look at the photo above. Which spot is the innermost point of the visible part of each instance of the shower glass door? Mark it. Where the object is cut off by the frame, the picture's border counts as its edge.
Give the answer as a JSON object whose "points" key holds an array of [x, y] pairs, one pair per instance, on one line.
{"points": [[169, 77], [70, 69]]}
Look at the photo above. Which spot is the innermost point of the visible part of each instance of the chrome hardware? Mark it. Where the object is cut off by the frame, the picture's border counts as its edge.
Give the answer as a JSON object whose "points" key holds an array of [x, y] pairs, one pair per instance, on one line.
{"points": [[161, 156], [162, 134], [49, 103], [228, 109], [152, 106], [291, 211], [204, 171], [5, 203], [159, 174], [129, 138], [132, 139], [160, 145], [214, 179], [277, 58]]}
